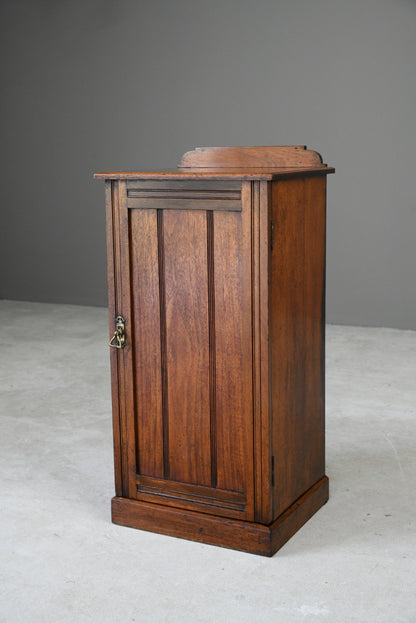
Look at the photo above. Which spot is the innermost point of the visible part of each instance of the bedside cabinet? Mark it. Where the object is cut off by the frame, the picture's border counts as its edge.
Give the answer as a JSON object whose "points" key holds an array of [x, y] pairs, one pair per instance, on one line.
{"points": [[216, 276]]}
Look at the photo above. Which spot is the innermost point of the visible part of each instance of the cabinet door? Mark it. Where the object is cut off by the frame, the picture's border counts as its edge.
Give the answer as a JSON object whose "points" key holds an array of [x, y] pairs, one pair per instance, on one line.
{"points": [[183, 260]]}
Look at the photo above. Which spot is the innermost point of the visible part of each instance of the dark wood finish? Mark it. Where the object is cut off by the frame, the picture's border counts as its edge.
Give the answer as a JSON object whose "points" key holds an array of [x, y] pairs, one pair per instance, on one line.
{"points": [[190, 496], [218, 395], [187, 346], [221, 188], [251, 157], [126, 364], [246, 536], [219, 174], [192, 195], [260, 201], [112, 296], [233, 352], [297, 270], [148, 359]]}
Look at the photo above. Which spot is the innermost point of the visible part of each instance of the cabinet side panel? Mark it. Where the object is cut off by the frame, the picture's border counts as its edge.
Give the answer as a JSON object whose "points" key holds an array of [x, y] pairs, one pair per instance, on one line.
{"points": [[187, 339], [234, 419], [147, 351], [297, 298]]}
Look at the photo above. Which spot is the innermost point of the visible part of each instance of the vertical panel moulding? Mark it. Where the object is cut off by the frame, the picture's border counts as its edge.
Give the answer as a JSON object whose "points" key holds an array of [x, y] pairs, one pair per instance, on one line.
{"points": [[116, 354], [130, 359], [255, 263], [265, 375], [163, 344], [247, 339], [260, 201], [125, 359], [260, 205], [146, 342], [112, 293], [233, 345], [187, 338], [212, 355]]}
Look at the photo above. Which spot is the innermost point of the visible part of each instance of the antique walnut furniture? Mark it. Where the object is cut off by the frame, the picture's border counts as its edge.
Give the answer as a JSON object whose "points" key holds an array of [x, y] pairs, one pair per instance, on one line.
{"points": [[216, 276]]}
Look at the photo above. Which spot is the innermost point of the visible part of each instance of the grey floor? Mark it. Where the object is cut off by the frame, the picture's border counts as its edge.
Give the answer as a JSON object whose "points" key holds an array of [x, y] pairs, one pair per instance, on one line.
{"points": [[61, 559]]}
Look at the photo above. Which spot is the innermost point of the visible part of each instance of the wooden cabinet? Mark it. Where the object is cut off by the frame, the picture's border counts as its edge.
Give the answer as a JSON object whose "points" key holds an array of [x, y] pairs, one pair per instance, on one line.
{"points": [[216, 272]]}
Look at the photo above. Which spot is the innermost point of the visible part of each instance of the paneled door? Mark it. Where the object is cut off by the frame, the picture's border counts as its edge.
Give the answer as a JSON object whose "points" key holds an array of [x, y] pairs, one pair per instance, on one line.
{"points": [[183, 265]]}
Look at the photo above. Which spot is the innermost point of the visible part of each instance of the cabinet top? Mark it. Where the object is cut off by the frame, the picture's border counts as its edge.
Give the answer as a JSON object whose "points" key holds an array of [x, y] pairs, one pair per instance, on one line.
{"points": [[244, 163]]}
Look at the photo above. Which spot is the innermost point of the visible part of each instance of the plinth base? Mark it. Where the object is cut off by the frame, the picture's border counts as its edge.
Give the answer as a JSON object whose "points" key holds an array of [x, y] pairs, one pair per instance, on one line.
{"points": [[241, 535]]}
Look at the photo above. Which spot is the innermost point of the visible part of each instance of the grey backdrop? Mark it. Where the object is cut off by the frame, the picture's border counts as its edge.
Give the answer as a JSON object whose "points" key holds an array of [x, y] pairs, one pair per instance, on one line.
{"points": [[109, 85]]}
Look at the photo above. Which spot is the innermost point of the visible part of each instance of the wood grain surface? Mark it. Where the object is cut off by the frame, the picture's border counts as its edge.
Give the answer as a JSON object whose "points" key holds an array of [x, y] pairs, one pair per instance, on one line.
{"points": [[297, 268], [218, 395], [256, 157]]}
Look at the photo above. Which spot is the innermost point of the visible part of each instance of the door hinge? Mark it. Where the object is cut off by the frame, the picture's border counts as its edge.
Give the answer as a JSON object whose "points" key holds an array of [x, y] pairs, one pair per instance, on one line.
{"points": [[271, 235]]}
